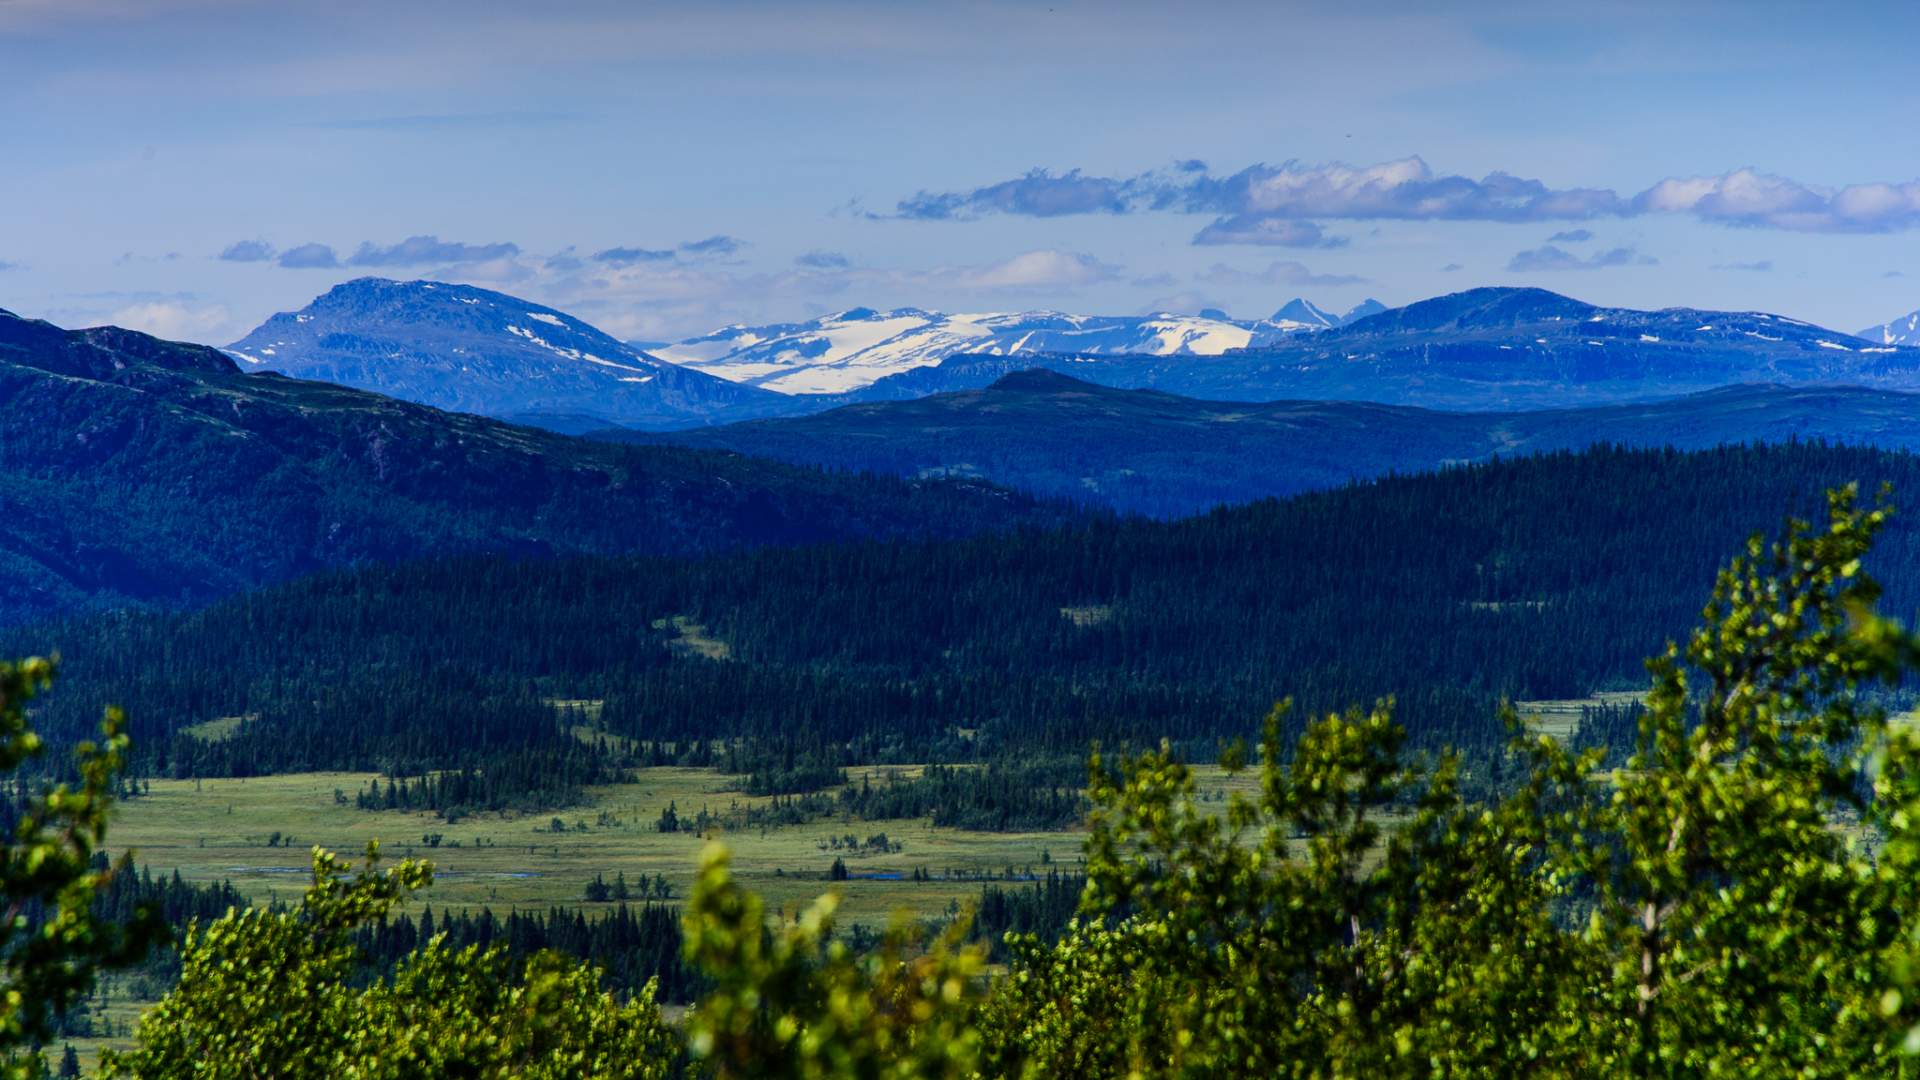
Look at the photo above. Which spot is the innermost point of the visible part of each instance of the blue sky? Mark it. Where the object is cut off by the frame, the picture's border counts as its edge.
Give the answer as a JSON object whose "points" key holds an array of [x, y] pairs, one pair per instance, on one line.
{"points": [[191, 166]]}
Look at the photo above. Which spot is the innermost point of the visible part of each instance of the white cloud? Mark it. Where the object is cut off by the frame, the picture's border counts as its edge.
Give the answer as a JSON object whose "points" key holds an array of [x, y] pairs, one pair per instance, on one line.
{"points": [[1752, 198], [1276, 204], [1030, 270], [1266, 231], [1181, 303], [1407, 190], [1283, 272], [1551, 258], [177, 321]]}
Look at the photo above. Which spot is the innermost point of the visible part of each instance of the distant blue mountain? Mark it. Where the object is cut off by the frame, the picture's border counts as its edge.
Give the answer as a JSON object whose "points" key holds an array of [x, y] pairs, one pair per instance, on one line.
{"points": [[845, 351], [1155, 453], [1485, 349], [1904, 330], [465, 349], [1307, 313], [1361, 310]]}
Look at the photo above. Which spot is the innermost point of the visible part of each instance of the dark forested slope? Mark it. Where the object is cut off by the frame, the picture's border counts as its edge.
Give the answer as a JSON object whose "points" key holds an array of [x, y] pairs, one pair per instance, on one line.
{"points": [[139, 470], [1143, 451], [1542, 577]]}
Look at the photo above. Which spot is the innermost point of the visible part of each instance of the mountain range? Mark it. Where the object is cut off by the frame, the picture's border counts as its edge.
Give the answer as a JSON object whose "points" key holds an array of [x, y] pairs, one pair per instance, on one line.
{"points": [[472, 350], [852, 349], [1487, 349], [1145, 451], [1495, 349], [135, 470]]}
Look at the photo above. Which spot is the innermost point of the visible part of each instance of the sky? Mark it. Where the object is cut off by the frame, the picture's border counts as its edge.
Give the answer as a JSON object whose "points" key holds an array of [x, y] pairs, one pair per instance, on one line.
{"points": [[189, 167]]}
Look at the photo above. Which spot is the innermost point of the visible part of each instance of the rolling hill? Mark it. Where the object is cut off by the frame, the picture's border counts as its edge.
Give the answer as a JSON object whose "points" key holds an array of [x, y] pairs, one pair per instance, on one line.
{"points": [[1549, 576], [1150, 452]]}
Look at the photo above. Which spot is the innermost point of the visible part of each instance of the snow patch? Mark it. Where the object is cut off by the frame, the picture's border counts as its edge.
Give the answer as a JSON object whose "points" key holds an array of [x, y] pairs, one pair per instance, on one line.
{"points": [[571, 354]]}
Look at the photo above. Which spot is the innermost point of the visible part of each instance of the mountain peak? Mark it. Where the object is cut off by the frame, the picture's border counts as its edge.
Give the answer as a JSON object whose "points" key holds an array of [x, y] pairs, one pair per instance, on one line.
{"points": [[1300, 310], [1039, 381], [1482, 308], [1362, 310], [469, 349], [1904, 330]]}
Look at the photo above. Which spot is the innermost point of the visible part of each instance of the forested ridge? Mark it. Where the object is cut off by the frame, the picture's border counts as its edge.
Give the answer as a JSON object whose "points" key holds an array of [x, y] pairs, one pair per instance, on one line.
{"points": [[1545, 577], [140, 471], [1153, 453]]}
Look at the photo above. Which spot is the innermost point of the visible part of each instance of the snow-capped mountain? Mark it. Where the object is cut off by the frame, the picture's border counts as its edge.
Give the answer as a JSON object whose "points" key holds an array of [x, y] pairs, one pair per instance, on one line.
{"points": [[1904, 330], [1307, 313], [851, 349], [464, 349], [1482, 349]]}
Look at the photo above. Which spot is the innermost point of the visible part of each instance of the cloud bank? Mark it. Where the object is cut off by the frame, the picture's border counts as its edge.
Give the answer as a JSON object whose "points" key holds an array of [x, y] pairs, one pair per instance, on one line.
{"points": [[422, 250], [1256, 204], [1267, 232], [1284, 272], [247, 251], [822, 260], [716, 246], [308, 257], [1551, 258]]}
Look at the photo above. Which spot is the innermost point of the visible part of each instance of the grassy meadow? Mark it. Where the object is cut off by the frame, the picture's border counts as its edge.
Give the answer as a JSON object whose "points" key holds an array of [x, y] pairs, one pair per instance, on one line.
{"points": [[257, 832]]}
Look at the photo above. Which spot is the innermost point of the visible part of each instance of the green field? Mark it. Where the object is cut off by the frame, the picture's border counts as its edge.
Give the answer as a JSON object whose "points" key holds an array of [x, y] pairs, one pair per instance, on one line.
{"points": [[1561, 719], [225, 829]]}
